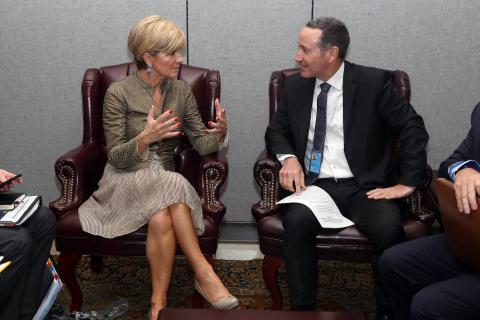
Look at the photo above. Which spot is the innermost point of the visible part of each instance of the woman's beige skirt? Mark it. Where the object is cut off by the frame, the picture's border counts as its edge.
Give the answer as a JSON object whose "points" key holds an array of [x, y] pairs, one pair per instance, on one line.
{"points": [[125, 201]]}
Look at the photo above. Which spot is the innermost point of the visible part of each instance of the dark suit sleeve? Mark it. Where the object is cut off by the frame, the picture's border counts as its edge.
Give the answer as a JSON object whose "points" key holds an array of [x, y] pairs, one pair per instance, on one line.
{"points": [[410, 128], [465, 151], [278, 136]]}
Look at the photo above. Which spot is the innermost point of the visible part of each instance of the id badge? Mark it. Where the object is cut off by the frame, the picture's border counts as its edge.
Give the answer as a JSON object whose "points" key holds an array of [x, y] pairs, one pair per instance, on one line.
{"points": [[315, 161]]}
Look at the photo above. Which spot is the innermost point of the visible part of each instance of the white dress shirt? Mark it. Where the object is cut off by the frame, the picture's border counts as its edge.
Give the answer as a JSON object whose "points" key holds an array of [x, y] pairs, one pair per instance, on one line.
{"points": [[334, 163]]}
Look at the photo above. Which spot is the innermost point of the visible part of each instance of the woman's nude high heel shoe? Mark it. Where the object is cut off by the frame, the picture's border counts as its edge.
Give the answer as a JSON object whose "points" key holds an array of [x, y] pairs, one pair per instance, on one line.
{"points": [[226, 303]]}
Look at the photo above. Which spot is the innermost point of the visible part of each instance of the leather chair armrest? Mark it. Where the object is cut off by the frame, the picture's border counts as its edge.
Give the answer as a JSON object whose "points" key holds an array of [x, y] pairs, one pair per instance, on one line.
{"points": [[214, 171], [78, 171], [265, 172], [186, 163], [207, 174], [418, 208]]}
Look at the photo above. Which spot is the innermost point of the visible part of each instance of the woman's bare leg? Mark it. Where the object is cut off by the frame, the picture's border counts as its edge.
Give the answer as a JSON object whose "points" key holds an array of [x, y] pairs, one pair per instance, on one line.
{"points": [[160, 255], [187, 238]]}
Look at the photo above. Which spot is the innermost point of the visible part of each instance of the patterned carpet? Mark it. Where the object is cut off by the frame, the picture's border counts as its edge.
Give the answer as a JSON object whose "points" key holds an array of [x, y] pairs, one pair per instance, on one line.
{"points": [[342, 286]]}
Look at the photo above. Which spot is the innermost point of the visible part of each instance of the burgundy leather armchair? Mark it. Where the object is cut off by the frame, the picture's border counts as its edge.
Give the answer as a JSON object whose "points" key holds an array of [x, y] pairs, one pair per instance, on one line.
{"points": [[346, 244], [80, 169]]}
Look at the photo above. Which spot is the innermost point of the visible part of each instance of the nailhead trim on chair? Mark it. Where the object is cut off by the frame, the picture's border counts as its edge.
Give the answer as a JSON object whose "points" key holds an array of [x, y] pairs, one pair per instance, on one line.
{"points": [[268, 186], [211, 181], [66, 175], [417, 208]]}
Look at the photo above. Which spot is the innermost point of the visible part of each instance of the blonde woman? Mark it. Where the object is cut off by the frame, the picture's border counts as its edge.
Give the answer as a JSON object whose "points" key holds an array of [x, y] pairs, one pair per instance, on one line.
{"points": [[144, 115]]}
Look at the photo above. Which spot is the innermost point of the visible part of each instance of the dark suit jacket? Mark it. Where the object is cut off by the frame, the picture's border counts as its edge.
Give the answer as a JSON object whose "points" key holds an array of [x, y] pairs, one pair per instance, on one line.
{"points": [[373, 114], [469, 149]]}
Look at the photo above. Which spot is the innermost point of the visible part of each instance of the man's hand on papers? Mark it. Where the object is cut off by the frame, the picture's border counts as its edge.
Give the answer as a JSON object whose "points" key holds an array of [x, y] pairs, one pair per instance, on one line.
{"points": [[395, 192], [291, 173], [467, 188]]}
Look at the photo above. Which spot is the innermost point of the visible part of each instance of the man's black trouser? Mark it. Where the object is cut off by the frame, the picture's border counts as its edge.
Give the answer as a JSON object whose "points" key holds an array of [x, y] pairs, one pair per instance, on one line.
{"points": [[379, 220], [424, 281], [28, 248]]}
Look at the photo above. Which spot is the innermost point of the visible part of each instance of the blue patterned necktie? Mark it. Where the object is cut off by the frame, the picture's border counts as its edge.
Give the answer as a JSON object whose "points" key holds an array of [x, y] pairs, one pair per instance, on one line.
{"points": [[316, 155]]}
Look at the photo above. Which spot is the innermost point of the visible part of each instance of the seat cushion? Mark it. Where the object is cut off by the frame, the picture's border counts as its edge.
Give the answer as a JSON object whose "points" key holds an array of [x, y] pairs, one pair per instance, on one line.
{"points": [[71, 238]]}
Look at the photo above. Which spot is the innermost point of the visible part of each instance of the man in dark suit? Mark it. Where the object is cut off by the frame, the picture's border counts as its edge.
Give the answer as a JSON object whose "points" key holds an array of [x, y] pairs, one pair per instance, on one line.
{"points": [[25, 250], [424, 280], [345, 149]]}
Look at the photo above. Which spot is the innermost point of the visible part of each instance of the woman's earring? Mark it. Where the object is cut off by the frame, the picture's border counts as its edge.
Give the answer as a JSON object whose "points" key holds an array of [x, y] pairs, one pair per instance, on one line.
{"points": [[149, 69]]}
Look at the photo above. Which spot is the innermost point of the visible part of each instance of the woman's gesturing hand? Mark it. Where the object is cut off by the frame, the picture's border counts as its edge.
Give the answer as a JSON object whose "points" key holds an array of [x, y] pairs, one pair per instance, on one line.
{"points": [[220, 126], [163, 128]]}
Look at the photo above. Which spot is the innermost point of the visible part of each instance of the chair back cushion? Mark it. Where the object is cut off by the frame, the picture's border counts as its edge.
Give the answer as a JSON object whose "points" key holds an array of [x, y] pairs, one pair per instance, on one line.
{"points": [[205, 86]]}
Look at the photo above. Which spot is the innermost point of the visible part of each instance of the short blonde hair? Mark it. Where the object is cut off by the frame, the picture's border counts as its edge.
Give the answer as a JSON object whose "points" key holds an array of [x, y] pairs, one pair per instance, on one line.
{"points": [[152, 35]]}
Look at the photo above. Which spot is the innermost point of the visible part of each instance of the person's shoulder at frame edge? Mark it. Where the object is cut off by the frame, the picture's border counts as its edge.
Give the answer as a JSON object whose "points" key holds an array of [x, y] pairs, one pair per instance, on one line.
{"points": [[475, 117], [474, 133]]}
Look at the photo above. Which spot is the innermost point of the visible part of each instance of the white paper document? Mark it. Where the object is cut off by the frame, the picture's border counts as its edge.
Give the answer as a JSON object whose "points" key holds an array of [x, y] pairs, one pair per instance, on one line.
{"points": [[322, 206]]}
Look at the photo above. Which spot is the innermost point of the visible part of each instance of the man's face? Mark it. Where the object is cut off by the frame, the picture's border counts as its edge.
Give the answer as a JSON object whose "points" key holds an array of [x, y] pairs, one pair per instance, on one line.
{"points": [[313, 61]]}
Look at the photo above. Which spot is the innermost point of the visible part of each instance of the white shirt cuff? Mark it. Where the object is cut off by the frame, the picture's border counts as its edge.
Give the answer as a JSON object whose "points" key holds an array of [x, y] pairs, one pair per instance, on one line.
{"points": [[282, 157]]}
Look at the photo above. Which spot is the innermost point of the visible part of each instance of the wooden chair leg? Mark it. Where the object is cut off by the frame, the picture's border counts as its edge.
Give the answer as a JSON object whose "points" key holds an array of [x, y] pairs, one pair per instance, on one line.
{"points": [[66, 267], [96, 263], [270, 269], [197, 298]]}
